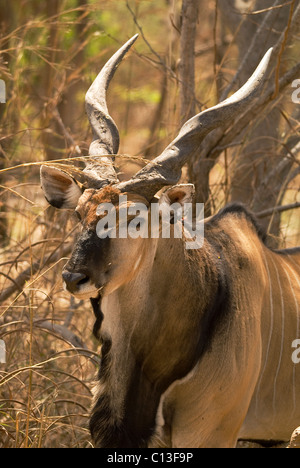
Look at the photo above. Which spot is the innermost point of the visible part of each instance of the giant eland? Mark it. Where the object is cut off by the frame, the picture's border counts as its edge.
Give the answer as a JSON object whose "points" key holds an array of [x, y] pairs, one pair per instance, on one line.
{"points": [[196, 343]]}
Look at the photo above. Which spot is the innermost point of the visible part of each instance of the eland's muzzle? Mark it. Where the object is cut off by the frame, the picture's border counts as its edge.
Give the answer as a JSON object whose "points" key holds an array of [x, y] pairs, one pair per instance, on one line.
{"points": [[74, 281]]}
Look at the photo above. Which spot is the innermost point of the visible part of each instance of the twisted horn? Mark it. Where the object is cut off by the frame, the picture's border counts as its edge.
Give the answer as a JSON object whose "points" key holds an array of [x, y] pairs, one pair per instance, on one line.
{"points": [[166, 168], [99, 170]]}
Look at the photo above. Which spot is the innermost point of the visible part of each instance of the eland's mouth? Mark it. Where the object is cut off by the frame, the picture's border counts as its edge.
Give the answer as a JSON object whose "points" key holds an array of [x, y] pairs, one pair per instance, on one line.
{"points": [[86, 294], [80, 285]]}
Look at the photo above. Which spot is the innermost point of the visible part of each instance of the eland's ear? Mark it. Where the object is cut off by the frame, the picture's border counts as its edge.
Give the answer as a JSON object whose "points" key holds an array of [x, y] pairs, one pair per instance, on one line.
{"points": [[183, 193], [60, 189]]}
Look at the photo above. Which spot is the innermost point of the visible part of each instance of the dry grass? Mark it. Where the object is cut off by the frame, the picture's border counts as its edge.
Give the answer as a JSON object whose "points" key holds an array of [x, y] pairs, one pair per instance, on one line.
{"points": [[45, 385]]}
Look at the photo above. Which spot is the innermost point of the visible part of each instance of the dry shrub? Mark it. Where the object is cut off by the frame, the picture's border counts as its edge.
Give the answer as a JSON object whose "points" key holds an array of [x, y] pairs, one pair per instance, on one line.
{"points": [[45, 384]]}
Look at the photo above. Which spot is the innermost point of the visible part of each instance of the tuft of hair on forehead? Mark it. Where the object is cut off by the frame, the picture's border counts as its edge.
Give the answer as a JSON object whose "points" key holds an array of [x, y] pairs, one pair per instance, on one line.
{"points": [[106, 195], [91, 199]]}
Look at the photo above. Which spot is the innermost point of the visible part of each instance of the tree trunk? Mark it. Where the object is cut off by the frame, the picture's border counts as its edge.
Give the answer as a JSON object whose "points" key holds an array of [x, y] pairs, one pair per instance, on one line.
{"points": [[252, 164], [9, 121], [186, 69], [52, 141]]}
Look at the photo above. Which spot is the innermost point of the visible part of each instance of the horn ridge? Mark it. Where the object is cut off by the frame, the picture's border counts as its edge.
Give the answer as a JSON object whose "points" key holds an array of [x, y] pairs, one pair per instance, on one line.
{"points": [[166, 168], [100, 170]]}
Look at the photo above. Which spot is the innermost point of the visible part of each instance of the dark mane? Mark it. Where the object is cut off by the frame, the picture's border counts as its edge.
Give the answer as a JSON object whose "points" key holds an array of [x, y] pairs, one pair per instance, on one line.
{"points": [[241, 210]]}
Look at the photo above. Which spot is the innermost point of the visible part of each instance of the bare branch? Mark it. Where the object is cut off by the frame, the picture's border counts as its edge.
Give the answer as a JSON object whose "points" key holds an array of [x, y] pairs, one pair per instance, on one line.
{"points": [[160, 60], [277, 209], [67, 335], [69, 139], [218, 140], [282, 47], [258, 39], [20, 281]]}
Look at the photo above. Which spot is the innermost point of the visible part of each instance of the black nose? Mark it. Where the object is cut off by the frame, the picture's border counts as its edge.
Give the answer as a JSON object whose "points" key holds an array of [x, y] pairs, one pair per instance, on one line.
{"points": [[74, 280]]}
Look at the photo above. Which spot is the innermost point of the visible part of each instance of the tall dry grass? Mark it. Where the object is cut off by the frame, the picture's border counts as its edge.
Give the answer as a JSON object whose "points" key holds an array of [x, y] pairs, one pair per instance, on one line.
{"points": [[45, 384]]}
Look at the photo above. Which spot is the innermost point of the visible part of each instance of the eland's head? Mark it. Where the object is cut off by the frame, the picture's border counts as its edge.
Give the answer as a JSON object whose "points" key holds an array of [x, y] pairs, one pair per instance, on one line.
{"points": [[100, 264]]}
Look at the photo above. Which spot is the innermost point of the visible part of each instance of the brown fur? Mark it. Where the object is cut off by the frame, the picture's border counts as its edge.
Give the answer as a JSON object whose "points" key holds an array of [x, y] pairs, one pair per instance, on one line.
{"points": [[90, 201], [213, 305], [196, 344]]}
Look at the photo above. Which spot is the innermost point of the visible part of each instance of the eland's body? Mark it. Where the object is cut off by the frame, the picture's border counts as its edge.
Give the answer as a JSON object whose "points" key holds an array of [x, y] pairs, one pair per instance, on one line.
{"points": [[196, 344]]}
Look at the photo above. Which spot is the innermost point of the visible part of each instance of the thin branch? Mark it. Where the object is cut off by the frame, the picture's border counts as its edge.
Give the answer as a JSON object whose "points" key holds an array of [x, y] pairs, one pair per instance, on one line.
{"points": [[257, 40], [283, 46], [277, 209], [256, 110], [26, 274], [69, 139], [160, 60], [65, 334], [265, 10]]}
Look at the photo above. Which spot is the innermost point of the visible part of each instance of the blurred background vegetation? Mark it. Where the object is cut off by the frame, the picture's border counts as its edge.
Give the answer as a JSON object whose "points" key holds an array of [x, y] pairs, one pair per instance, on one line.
{"points": [[50, 52]]}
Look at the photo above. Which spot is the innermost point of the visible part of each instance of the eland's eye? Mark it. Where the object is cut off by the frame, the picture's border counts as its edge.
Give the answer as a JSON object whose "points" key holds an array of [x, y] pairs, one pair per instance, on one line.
{"points": [[78, 215]]}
